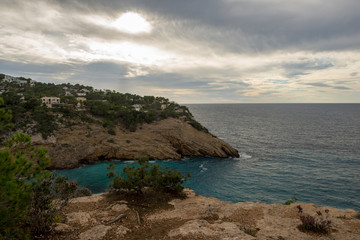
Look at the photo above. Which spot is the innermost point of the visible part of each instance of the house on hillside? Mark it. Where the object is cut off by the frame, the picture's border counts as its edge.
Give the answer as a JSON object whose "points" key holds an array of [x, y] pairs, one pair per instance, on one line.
{"points": [[84, 90], [20, 82], [137, 107], [8, 78], [50, 102], [32, 82], [80, 101], [164, 106]]}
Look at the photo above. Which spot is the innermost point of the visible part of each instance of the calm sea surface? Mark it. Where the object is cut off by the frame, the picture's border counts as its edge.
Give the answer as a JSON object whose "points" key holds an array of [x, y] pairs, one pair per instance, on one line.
{"points": [[311, 151]]}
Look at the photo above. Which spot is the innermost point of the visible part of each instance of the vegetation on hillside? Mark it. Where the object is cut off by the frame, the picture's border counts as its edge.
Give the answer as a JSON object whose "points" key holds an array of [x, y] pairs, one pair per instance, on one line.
{"points": [[27, 190], [108, 108]]}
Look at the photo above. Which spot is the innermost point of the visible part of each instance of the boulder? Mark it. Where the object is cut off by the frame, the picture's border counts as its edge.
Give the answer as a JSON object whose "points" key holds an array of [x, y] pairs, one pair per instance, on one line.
{"points": [[82, 218], [95, 233], [201, 228], [120, 208], [121, 231], [61, 227]]}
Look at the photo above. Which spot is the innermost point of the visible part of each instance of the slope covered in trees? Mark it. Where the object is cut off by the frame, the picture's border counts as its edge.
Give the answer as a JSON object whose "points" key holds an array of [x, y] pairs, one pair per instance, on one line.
{"points": [[82, 104]]}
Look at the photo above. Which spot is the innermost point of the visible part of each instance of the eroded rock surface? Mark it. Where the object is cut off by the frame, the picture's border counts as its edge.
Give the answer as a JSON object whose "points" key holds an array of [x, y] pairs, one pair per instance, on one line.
{"points": [[166, 139], [96, 233], [198, 217]]}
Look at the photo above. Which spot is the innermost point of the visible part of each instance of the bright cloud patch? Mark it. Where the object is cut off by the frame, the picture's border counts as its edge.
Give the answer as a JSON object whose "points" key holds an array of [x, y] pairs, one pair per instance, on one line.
{"points": [[133, 23]]}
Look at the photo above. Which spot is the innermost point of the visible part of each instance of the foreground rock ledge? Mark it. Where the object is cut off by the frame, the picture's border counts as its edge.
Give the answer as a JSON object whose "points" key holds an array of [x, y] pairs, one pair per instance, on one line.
{"points": [[166, 139], [198, 217]]}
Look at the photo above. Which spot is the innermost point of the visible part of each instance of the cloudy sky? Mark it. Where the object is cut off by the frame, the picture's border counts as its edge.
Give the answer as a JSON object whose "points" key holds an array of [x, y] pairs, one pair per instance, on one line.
{"points": [[190, 51]]}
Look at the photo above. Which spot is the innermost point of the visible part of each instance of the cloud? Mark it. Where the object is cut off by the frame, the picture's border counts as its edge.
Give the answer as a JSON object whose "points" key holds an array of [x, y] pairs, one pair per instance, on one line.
{"points": [[203, 51], [354, 74], [305, 65], [318, 84]]}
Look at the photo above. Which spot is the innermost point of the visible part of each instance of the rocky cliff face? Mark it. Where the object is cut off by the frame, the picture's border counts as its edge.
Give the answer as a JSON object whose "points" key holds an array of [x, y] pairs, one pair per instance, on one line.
{"points": [[196, 217], [166, 139]]}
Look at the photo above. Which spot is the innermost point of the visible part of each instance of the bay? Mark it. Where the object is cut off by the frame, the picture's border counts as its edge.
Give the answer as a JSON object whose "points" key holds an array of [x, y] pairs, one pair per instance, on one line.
{"points": [[310, 151]]}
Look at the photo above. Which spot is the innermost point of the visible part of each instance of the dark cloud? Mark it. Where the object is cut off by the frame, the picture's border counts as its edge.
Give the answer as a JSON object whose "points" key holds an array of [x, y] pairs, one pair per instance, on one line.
{"points": [[341, 88], [318, 84], [233, 26], [29, 68], [266, 93], [354, 74], [324, 85], [305, 67]]}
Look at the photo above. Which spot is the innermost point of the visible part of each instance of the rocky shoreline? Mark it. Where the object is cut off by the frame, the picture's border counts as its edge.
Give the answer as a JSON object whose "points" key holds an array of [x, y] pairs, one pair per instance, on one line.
{"points": [[166, 139], [195, 217]]}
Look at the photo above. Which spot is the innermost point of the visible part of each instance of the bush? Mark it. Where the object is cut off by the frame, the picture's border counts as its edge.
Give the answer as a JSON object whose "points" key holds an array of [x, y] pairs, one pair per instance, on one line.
{"points": [[197, 126], [82, 192], [45, 121], [111, 132], [19, 177], [290, 201], [48, 196], [317, 224], [146, 175]]}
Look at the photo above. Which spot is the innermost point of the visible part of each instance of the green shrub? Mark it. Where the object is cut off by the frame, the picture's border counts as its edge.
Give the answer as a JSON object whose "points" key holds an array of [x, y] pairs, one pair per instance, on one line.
{"points": [[290, 201], [146, 175], [48, 196], [197, 125], [45, 122], [19, 177], [111, 132], [81, 192]]}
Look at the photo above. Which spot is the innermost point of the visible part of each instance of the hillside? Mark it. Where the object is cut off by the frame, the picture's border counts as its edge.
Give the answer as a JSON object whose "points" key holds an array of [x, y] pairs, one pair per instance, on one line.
{"points": [[45, 107], [81, 125]]}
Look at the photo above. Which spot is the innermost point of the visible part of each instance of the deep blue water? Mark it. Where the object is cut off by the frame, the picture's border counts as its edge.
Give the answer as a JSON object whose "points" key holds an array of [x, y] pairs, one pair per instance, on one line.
{"points": [[311, 151]]}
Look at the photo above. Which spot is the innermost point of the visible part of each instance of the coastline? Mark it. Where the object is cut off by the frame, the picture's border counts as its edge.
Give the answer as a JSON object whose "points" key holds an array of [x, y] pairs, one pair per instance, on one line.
{"points": [[167, 139], [196, 217]]}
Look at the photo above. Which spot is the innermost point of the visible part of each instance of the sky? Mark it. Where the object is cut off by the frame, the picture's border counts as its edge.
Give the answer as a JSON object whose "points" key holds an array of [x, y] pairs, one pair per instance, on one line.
{"points": [[190, 51]]}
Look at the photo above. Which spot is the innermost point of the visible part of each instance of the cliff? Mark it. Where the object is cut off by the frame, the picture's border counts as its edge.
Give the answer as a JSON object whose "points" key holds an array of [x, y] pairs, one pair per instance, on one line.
{"points": [[166, 139], [194, 217]]}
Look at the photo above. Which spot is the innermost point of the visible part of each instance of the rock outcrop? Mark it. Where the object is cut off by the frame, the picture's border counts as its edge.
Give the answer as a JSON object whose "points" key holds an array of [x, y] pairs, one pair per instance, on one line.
{"points": [[166, 139], [198, 217]]}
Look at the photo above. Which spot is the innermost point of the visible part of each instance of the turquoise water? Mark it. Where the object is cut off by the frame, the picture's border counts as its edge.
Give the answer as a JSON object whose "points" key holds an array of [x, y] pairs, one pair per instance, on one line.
{"points": [[310, 151]]}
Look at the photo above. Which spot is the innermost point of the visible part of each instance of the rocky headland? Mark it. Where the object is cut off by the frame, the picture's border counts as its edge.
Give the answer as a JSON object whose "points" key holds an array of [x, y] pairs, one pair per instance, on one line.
{"points": [[194, 217], [166, 139]]}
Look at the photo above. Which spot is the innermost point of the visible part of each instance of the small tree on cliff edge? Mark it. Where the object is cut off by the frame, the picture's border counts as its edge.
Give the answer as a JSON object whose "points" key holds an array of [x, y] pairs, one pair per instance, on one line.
{"points": [[136, 178]]}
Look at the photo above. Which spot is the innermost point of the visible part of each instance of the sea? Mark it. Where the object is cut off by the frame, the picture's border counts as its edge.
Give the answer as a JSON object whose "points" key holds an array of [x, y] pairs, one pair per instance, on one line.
{"points": [[310, 151]]}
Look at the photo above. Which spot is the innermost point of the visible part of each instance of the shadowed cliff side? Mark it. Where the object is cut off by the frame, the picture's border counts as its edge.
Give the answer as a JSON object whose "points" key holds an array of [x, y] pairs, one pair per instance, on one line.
{"points": [[166, 139]]}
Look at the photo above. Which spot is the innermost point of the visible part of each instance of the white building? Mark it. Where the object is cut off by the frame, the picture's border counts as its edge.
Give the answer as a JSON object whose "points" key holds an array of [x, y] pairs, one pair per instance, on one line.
{"points": [[137, 107], [68, 93], [8, 78], [80, 101], [164, 106], [84, 90], [50, 101]]}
